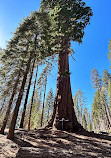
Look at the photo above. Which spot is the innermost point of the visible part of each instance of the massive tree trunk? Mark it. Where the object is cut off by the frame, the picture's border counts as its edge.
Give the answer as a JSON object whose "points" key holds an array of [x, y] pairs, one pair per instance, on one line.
{"points": [[32, 99], [26, 98], [16, 110], [63, 105], [10, 104]]}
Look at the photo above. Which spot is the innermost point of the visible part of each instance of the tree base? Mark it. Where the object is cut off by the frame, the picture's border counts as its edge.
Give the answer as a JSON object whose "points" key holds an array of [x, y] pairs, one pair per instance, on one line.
{"points": [[1, 132]]}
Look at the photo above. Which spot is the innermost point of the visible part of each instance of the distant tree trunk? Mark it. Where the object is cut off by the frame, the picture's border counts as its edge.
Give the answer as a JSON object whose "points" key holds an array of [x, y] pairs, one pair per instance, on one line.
{"points": [[10, 104], [109, 113], [48, 113], [32, 99], [1, 108], [43, 103], [63, 105], [2, 105], [26, 98], [107, 116], [16, 110]]}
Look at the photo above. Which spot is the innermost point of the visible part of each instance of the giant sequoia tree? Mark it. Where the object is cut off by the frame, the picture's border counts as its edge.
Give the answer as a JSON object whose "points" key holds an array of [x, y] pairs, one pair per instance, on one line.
{"points": [[69, 18], [56, 24]]}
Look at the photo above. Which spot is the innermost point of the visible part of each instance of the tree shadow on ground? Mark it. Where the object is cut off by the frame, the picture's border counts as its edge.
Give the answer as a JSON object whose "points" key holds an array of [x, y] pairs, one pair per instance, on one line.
{"points": [[61, 144]]}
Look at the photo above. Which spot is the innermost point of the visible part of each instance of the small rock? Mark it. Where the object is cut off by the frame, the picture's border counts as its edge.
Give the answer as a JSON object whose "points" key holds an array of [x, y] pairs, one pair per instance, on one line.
{"points": [[13, 146], [59, 141]]}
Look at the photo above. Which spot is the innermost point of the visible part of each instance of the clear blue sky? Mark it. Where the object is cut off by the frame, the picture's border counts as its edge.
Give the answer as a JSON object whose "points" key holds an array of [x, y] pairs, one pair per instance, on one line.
{"points": [[92, 53]]}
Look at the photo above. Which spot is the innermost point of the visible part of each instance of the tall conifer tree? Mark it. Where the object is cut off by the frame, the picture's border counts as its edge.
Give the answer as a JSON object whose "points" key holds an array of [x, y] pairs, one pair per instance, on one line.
{"points": [[69, 18]]}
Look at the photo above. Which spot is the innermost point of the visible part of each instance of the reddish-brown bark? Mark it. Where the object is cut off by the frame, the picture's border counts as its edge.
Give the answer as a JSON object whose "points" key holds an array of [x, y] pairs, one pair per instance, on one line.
{"points": [[63, 105]]}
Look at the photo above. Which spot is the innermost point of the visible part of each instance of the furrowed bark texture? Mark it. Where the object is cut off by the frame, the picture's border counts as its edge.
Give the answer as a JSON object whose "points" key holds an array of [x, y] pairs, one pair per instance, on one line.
{"points": [[16, 110], [10, 104], [63, 105]]}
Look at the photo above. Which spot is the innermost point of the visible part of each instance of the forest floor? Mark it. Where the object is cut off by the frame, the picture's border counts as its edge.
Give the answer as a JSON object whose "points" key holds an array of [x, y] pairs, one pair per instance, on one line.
{"points": [[44, 143]]}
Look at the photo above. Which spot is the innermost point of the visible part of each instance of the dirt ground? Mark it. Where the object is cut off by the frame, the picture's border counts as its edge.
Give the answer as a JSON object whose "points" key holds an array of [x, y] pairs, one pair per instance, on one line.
{"points": [[44, 143]]}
